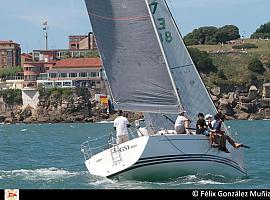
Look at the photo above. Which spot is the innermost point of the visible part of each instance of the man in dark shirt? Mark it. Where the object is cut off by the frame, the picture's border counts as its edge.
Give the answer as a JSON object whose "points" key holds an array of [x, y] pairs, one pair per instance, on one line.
{"points": [[201, 126]]}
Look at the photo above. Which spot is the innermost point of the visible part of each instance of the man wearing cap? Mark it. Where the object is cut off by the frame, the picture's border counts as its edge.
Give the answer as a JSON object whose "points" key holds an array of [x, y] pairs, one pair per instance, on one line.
{"points": [[181, 123], [120, 125]]}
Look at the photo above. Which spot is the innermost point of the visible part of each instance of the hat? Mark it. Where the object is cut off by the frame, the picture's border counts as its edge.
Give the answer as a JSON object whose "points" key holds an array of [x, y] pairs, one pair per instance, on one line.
{"points": [[208, 115], [182, 112]]}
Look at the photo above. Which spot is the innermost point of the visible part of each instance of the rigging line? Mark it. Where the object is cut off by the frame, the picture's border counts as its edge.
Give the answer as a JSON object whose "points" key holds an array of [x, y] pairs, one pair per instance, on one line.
{"points": [[174, 144], [177, 67]]}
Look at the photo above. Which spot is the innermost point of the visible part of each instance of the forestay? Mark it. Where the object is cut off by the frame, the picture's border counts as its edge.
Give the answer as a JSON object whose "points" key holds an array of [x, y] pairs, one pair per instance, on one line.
{"points": [[132, 56], [194, 96]]}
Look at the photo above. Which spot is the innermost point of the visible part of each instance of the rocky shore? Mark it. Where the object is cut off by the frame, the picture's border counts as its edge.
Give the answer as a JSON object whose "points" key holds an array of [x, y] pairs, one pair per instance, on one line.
{"points": [[55, 108], [81, 107]]}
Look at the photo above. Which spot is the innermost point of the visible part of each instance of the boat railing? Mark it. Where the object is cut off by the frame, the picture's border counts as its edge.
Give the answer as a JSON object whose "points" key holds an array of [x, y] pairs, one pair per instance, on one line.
{"points": [[92, 147]]}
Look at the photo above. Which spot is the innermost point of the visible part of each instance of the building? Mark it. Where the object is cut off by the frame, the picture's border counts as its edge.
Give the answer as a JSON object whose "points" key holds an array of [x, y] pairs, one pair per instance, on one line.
{"points": [[10, 54], [74, 41], [32, 70], [26, 57], [79, 72], [82, 42], [59, 54], [88, 43]]}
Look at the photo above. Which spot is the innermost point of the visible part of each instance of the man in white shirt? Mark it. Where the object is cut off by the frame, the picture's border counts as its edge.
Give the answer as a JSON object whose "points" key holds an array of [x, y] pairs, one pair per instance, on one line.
{"points": [[120, 126], [181, 123]]}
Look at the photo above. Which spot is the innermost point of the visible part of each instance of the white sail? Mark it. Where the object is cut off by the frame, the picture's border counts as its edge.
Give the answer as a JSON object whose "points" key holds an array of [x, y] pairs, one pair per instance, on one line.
{"points": [[194, 96], [137, 71]]}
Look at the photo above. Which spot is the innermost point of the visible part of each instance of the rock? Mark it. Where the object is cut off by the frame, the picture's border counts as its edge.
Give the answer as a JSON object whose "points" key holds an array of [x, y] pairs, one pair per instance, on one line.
{"points": [[214, 98], [242, 116], [215, 91], [241, 108], [244, 99], [43, 119], [253, 92], [265, 103], [9, 120], [266, 90], [28, 120], [231, 98]]}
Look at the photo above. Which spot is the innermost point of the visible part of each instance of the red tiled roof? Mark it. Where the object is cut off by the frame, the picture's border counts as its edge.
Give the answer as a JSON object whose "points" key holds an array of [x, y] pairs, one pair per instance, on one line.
{"points": [[78, 62], [7, 42], [27, 55]]}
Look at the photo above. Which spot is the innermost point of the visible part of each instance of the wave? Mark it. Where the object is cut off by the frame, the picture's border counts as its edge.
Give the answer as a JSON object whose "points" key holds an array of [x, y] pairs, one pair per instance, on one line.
{"points": [[38, 174], [105, 122]]}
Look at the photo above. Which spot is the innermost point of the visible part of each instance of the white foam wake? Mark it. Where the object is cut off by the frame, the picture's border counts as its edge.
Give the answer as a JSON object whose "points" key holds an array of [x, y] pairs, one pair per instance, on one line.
{"points": [[38, 174]]}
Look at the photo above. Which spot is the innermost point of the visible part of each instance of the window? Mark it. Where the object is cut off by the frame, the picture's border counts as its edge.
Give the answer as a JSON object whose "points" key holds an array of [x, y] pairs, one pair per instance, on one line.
{"points": [[30, 78], [36, 56], [63, 75], [48, 84], [83, 74], [93, 74], [53, 75], [76, 54], [72, 74], [58, 84], [9, 53], [66, 84]]}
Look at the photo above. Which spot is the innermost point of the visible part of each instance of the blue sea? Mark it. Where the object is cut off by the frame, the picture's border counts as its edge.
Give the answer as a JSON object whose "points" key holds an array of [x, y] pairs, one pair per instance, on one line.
{"points": [[48, 156]]}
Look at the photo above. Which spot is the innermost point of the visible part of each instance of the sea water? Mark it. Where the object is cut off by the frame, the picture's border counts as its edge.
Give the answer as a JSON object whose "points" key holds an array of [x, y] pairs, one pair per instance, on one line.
{"points": [[48, 156]]}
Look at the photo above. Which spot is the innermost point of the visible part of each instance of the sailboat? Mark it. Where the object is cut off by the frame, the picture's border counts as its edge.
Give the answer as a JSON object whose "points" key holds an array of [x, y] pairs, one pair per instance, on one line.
{"points": [[149, 70]]}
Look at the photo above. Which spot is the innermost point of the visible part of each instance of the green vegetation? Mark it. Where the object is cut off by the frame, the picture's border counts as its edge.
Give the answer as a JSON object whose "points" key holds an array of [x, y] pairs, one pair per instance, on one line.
{"points": [[245, 46], [263, 32], [255, 65], [212, 35], [12, 96], [61, 93], [10, 71], [65, 93], [202, 60], [235, 65], [92, 54]]}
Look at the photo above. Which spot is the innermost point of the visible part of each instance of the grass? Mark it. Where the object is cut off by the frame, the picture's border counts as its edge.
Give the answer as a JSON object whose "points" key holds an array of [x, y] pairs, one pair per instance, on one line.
{"points": [[234, 63]]}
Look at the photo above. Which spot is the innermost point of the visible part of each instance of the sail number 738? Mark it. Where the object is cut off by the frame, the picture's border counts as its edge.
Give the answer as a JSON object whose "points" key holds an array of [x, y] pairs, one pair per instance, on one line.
{"points": [[161, 24]]}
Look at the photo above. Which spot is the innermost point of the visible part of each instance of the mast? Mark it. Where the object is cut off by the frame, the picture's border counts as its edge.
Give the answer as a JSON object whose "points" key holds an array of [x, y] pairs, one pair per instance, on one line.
{"points": [[165, 57]]}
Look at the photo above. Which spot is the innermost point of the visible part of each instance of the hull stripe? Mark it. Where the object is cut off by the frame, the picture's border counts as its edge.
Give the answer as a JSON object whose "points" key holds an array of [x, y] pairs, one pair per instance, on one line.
{"points": [[141, 160], [165, 160]]}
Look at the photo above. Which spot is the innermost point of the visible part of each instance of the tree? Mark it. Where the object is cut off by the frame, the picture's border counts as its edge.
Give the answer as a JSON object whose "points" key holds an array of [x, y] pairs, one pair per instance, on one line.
{"points": [[227, 33], [255, 65], [202, 60], [262, 32], [10, 71], [202, 35], [212, 35]]}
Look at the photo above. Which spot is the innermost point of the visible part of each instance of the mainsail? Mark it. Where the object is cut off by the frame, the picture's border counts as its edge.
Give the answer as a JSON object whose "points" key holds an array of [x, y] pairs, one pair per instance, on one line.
{"points": [[194, 96], [132, 56]]}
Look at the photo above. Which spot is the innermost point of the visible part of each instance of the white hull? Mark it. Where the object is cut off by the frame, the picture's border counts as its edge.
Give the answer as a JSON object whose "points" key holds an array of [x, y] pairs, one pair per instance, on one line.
{"points": [[167, 156]]}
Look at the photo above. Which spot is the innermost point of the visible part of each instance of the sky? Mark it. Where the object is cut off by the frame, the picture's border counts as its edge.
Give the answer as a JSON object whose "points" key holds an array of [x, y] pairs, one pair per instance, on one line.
{"points": [[21, 20]]}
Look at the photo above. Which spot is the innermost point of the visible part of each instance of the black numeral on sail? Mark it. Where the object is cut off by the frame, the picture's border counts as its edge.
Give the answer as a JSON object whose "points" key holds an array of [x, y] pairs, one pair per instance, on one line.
{"points": [[168, 37], [161, 24], [153, 7]]}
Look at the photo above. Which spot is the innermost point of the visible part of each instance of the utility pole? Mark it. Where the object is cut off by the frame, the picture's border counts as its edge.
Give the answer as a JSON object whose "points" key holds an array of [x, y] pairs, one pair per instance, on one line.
{"points": [[45, 28]]}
